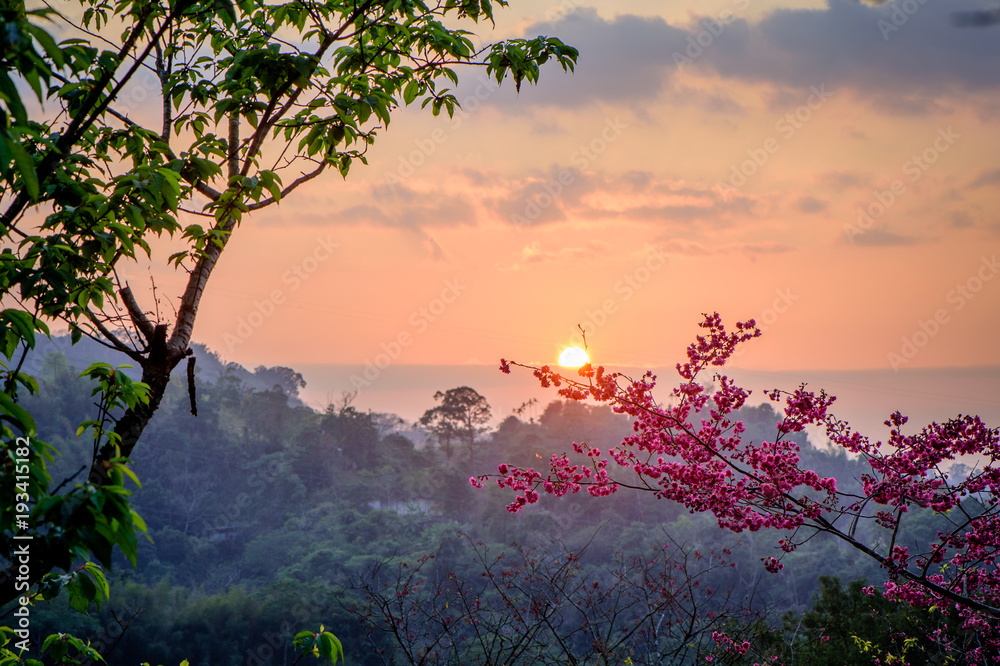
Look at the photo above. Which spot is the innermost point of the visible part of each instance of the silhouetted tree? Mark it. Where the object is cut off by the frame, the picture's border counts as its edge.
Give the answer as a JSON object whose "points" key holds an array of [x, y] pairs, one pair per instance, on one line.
{"points": [[461, 416]]}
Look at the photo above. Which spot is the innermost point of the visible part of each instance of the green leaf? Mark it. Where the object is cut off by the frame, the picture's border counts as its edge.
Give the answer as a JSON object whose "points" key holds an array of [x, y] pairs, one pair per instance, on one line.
{"points": [[130, 474], [82, 591], [330, 647], [410, 92], [23, 322], [100, 580], [14, 413], [25, 166], [137, 520], [45, 39], [226, 10]]}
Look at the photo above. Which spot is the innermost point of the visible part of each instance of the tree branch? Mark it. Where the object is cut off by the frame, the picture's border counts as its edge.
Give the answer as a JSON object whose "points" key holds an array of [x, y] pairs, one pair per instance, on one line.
{"points": [[304, 178], [269, 117], [200, 185], [191, 385], [138, 317], [233, 149], [111, 338], [97, 102]]}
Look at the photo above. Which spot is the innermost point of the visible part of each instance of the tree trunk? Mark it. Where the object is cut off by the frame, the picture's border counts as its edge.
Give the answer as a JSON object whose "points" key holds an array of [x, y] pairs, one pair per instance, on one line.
{"points": [[156, 368]]}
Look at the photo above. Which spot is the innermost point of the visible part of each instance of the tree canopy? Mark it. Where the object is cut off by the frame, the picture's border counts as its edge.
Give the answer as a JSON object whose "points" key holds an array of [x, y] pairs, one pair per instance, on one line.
{"points": [[461, 416], [255, 99]]}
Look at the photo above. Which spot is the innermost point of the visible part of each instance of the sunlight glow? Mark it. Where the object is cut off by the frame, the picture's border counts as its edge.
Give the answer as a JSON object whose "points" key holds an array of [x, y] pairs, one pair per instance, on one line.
{"points": [[573, 357]]}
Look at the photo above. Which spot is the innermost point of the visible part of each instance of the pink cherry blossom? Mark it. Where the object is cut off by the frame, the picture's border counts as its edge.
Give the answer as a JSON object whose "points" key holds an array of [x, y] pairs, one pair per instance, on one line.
{"points": [[692, 450]]}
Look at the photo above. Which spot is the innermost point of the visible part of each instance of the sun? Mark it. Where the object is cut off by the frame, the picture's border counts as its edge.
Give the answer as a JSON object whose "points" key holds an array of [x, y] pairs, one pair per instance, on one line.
{"points": [[573, 357]]}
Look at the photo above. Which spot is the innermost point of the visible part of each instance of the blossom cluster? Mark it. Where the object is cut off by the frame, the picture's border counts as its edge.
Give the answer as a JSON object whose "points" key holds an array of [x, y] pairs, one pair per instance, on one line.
{"points": [[692, 450]]}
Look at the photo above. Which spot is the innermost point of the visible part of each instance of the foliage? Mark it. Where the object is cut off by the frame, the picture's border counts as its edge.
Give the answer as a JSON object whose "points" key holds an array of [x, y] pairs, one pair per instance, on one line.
{"points": [[61, 648], [461, 415], [543, 605], [692, 451], [88, 520], [851, 627], [259, 537], [321, 644], [231, 89], [86, 188]]}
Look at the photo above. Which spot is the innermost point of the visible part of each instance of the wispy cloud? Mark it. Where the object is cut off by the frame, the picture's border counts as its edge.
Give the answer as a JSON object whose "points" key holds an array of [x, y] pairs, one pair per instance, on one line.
{"points": [[753, 250], [534, 253], [880, 238]]}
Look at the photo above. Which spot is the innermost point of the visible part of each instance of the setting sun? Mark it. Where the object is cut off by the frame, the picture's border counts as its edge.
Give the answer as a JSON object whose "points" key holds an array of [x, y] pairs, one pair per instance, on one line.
{"points": [[573, 357]]}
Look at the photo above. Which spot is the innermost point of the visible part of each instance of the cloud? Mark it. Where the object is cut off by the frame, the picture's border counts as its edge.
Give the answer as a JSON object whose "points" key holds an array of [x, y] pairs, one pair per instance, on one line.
{"points": [[679, 246], [419, 212], [901, 60], [809, 204], [960, 219], [620, 59], [542, 198], [558, 195], [434, 250], [987, 179], [565, 194], [843, 180], [534, 254], [881, 238], [714, 102]]}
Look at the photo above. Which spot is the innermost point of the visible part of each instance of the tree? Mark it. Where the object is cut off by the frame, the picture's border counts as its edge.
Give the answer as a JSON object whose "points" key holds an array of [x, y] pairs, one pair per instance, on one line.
{"points": [[318, 104], [542, 605], [692, 452], [847, 627], [460, 416], [284, 378], [257, 99]]}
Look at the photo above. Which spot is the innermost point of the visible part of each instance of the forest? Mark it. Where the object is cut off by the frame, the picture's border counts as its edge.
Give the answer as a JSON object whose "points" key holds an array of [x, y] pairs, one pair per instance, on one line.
{"points": [[265, 516]]}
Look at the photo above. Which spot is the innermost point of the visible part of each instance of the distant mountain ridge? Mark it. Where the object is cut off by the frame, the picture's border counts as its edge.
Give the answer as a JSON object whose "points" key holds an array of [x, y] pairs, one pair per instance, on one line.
{"points": [[865, 397], [208, 366]]}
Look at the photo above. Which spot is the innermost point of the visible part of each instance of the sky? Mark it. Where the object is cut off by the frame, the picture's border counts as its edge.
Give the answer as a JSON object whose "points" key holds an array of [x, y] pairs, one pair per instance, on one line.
{"points": [[829, 169]]}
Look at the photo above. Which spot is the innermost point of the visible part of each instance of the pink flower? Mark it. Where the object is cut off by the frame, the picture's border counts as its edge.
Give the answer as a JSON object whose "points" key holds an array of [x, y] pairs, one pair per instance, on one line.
{"points": [[693, 450]]}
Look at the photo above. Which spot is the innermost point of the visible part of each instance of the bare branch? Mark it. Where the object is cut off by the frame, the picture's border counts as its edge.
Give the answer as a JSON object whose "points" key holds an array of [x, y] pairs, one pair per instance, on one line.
{"points": [[233, 153], [112, 340], [138, 317]]}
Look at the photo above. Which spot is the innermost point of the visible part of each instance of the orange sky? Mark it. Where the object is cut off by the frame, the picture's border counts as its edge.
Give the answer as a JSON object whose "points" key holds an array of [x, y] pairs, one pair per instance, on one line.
{"points": [[597, 199]]}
